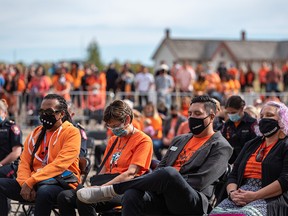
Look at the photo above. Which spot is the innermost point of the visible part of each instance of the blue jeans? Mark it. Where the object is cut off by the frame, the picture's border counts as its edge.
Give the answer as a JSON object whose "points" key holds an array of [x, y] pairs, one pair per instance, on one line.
{"points": [[46, 196], [157, 147]]}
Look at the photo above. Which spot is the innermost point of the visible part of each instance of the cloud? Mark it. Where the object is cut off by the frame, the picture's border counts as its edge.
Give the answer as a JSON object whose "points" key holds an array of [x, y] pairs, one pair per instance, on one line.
{"points": [[67, 24]]}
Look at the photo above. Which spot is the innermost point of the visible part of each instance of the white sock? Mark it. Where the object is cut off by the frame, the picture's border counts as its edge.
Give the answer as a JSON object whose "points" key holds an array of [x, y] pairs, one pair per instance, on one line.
{"points": [[108, 191]]}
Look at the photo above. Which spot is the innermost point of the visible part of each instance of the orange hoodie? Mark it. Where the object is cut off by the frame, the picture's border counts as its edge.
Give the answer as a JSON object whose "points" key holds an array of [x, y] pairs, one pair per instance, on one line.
{"points": [[63, 154]]}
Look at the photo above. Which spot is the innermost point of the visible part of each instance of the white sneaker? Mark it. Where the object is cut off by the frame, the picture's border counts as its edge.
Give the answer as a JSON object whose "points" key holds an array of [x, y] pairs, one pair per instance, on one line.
{"points": [[93, 195]]}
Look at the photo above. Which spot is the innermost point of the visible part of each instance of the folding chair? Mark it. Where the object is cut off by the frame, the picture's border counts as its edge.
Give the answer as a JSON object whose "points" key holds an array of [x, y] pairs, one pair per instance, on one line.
{"points": [[95, 137], [85, 167]]}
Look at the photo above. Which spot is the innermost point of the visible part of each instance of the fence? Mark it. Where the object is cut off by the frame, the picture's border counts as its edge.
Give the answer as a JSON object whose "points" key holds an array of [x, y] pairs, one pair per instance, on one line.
{"points": [[26, 105]]}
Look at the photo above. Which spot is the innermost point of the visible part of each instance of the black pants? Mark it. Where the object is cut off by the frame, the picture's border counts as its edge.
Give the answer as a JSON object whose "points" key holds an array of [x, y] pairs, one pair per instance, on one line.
{"points": [[163, 191], [45, 196], [68, 202]]}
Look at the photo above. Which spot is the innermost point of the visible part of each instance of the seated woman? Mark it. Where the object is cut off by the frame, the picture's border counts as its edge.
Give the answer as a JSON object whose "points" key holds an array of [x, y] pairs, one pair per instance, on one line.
{"points": [[130, 157], [260, 176], [49, 150]]}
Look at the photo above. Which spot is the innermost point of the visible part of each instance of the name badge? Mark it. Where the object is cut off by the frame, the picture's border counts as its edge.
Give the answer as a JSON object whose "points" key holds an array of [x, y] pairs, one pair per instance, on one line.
{"points": [[173, 148]]}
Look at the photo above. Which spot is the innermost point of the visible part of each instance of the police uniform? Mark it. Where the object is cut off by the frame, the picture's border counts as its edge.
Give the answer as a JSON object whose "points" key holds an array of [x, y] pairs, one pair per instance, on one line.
{"points": [[83, 150], [238, 136], [10, 136]]}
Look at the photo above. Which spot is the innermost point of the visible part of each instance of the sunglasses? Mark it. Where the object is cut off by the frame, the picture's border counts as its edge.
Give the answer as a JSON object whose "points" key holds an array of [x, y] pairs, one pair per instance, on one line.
{"points": [[49, 111], [260, 155]]}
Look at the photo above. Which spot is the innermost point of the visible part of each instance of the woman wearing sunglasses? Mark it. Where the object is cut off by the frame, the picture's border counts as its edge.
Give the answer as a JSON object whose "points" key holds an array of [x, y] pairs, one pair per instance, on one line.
{"points": [[49, 150], [258, 183]]}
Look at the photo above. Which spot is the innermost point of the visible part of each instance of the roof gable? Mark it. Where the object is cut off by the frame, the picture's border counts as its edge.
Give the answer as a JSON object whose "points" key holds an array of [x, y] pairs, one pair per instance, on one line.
{"points": [[240, 49]]}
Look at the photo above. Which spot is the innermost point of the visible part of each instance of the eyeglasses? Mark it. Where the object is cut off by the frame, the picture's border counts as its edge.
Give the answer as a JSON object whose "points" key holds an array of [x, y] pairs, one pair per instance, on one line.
{"points": [[260, 155], [49, 111], [115, 127]]}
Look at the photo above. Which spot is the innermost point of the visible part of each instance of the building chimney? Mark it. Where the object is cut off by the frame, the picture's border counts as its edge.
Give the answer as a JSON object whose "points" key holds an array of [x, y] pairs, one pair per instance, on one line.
{"points": [[243, 35], [167, 33]]}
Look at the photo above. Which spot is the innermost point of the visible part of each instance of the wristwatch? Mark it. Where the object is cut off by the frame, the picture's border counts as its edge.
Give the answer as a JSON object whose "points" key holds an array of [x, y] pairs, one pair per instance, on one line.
{"points": [[229, 194]]}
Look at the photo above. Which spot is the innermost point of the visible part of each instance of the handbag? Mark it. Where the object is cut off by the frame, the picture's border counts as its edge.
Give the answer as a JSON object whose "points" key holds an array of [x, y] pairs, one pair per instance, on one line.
{"points": [[62, 180], [104, 178]]}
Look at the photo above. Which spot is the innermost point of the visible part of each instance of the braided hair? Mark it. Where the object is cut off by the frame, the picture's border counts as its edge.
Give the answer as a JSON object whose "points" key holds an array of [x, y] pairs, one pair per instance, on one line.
{"points": [[61, 106]]}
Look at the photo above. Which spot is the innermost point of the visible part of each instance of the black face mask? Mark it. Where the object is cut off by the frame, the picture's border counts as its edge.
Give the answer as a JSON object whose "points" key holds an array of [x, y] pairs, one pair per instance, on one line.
{"points": [[48, 121], [268, 127], [196, 125]]}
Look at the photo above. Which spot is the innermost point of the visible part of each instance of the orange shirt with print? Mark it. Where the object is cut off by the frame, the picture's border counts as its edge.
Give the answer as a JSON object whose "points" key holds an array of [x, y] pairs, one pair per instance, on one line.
{"points": [[189, 149], [253, 168], [136, 149]]}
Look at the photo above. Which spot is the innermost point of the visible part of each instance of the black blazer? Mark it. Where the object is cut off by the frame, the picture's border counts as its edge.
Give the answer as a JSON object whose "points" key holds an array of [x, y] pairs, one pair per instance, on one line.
{"points": [[274, 166], [205, 166]]}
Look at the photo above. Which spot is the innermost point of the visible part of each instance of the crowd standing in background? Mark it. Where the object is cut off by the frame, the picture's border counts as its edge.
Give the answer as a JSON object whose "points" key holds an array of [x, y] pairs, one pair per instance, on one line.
{"points": [[159, 99]]}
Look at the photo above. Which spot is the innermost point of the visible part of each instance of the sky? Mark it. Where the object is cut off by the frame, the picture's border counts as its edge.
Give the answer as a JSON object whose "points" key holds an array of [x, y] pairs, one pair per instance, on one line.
{"points": [[128, 30]]}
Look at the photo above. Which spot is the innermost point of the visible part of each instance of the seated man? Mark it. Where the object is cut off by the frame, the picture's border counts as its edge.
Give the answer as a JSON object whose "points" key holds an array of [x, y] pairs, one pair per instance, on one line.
{"points": [[182, 183]]}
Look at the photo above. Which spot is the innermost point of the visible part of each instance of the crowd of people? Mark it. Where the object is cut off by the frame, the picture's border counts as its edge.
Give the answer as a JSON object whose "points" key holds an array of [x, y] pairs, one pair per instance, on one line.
{"points": [[88, 88], [194, 139]]}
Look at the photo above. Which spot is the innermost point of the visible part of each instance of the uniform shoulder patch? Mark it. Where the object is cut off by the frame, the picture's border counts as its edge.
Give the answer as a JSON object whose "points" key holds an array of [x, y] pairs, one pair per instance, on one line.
{"points": [[15, 129]]}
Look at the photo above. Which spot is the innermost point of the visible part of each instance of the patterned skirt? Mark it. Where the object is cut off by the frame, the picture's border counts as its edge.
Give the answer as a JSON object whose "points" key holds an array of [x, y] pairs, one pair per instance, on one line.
{"points": [[255, 208]]}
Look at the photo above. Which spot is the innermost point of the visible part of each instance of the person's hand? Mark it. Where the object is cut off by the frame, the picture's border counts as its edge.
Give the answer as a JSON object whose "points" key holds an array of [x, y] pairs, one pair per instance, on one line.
{"points": [[33, 195], [241, 197], [237, 198], [27, 193], [247, 196]]}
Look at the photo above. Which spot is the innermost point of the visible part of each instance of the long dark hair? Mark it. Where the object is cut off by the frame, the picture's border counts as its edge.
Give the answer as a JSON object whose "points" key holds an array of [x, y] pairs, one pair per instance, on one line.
{"points": [[61, 106]]}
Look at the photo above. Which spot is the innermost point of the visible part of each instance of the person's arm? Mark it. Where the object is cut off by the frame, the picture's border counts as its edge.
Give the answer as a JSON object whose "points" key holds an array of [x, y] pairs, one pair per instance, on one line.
{"points": [[125, 176], [12, 156]]}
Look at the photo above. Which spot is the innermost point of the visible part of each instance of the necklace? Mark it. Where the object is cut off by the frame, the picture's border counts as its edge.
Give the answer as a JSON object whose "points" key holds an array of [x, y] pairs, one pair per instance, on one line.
{"points": [[115, 157]]}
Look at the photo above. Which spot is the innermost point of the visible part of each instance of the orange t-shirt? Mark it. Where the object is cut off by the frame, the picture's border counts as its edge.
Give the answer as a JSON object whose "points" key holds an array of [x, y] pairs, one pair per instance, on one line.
{"points": [[77, 78], [136, 149], [183, 128], [171, 132], [253, 168], [156, 123], [190, 148]]}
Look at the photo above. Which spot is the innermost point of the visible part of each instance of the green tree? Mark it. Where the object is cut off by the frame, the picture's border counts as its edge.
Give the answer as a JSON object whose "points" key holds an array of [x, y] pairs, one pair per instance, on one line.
{"points": [[94, 55]]}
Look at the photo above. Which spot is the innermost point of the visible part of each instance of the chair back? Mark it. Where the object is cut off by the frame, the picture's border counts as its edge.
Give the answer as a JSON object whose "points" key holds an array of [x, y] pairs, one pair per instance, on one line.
{"points": [[85, 167]]}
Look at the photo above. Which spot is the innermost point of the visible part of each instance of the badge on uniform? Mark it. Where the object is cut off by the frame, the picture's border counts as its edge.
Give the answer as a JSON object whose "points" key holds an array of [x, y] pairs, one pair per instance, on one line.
{"points": [[15, 129], [173, 148], [83, 134]]}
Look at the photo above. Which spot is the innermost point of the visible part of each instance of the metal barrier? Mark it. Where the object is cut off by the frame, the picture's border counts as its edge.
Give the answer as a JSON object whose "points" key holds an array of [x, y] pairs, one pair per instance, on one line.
{"points": [[28, 104]]}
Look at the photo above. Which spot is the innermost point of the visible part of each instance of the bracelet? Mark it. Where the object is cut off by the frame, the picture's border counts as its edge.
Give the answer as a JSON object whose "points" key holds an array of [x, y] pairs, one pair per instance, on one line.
{"points": [[229, 194]]}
